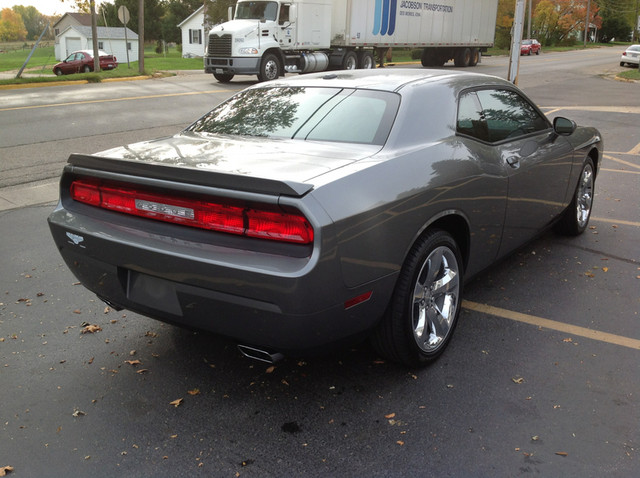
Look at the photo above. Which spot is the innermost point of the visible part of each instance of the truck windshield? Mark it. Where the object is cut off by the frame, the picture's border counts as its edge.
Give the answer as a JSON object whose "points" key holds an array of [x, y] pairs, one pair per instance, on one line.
{"points": [[305, 113], [257, 11]]}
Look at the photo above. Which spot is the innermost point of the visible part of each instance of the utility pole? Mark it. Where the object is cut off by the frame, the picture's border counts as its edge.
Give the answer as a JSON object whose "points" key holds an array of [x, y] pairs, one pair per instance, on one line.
{"points": [[141, 36], [516, 41], [94, 34], [586, 22], [529, 2]]}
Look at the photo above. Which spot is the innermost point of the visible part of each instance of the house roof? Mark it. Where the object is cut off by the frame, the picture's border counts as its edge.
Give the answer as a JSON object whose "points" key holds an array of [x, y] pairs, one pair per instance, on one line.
{"points": [[199, 10], [113, 33], [81, 18]]}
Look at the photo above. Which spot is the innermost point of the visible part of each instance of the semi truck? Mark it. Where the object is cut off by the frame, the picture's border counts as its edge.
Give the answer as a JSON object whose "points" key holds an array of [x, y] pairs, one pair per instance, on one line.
{"points": [[269, 38]]}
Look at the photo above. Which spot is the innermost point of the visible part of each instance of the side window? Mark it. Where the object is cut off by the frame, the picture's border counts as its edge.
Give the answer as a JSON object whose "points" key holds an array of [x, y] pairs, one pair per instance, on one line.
{"points": [[509, 115], [470, 118]]}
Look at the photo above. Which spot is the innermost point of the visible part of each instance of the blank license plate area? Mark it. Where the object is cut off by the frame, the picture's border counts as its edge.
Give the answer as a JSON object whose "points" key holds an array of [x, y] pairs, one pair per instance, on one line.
{"points": [[159, 294]]}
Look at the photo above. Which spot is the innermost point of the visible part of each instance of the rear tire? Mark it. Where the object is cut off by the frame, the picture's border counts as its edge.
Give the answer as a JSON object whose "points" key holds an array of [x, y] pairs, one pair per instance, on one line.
{"points": [[463, 57], [366, 60], [425, 306], [349, 61], [575, 218], [475, 57], [223, 77]]}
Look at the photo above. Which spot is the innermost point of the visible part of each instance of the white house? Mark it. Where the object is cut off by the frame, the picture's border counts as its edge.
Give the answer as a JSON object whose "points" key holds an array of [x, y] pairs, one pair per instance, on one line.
{"points": [[110, 40], [193, 41]]}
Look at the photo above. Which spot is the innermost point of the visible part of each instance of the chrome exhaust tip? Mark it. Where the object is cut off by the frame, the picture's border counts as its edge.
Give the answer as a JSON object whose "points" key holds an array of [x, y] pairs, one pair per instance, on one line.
{"points": [[260, 355]]}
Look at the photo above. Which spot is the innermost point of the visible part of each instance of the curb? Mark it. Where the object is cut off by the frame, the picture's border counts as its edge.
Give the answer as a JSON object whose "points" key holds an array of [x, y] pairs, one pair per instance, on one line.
{"points": [[71, 82]]}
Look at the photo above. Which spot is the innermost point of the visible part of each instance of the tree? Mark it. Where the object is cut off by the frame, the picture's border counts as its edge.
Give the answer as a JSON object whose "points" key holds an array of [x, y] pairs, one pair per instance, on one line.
{"points": [[154, 10], [617, 19], [559, 21], [11, 26], [34, 21], [175, 12]]}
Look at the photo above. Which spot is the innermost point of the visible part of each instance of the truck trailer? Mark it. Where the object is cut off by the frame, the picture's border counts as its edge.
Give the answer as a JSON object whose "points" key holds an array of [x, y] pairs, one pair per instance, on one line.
{"points": [[269, 38]]}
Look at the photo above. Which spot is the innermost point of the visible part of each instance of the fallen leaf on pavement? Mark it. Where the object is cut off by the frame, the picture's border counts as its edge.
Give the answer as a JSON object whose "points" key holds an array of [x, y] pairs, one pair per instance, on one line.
{"points": [[91, 328], [5, 469], [133, 362], [518, 380], [562, 453], [390, 415], [195, 391], [177, 403]]}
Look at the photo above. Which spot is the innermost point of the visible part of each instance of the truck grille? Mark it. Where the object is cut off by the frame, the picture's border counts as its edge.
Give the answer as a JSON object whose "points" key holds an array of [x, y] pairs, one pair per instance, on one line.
{"points": [[219, 45]]}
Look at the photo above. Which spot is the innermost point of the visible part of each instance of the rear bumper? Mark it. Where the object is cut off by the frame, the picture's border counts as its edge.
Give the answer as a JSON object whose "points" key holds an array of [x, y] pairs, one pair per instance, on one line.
{"points": [[295, 306]]}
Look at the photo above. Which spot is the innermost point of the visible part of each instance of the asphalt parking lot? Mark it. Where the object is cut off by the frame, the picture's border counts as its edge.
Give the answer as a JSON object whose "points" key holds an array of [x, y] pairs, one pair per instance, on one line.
{"points": [[541, 378]]}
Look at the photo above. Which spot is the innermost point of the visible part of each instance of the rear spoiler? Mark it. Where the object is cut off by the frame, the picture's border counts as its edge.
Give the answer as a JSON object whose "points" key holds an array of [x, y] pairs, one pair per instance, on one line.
{"points": [[85, 164]]}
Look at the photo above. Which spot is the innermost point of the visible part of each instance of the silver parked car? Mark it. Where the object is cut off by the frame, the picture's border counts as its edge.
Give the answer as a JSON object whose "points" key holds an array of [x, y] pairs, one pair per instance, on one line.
{"points": [[324, 208], [631, 56]]}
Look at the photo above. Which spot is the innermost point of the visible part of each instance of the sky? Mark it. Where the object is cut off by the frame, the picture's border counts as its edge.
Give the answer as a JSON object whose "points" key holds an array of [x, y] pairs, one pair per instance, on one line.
{"points": [[46, 7]]}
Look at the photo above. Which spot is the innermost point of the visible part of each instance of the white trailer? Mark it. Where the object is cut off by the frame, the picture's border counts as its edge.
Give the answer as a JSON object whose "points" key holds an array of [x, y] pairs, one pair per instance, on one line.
{"points": [[270, 37]]}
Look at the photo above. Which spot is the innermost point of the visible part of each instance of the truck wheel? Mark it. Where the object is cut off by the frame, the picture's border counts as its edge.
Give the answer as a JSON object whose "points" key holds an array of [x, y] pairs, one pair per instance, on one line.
{"points": [[349, 61], [426, 302], [463, 57], [428, 57], [269, 68], [365, 60], [223, 77], [475, 57]]}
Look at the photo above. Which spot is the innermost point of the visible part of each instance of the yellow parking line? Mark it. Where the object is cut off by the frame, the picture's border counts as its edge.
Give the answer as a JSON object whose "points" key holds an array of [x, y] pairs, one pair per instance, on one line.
{"points": [[130, 98], [553, 325], [616, 221], [635, 150], [621, 161]]}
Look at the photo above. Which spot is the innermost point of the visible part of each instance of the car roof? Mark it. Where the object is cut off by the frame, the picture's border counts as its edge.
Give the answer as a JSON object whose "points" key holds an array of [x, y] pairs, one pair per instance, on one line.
{"points": [[90, 52], [385, 79]]}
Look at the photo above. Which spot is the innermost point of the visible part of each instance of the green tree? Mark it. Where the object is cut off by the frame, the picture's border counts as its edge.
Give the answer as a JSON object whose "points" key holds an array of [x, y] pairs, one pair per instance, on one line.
{"points": [[11, 26], [617, 19], [153, 13], [175, 12], [34, 21]]}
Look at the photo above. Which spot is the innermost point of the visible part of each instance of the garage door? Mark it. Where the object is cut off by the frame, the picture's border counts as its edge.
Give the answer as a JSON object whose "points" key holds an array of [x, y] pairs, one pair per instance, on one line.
{"points": [[73, 44]]}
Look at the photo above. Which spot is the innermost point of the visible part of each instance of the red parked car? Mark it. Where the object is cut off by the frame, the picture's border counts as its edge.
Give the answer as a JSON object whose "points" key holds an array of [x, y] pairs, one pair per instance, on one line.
{"points": [[81, 61], [530, 46]]}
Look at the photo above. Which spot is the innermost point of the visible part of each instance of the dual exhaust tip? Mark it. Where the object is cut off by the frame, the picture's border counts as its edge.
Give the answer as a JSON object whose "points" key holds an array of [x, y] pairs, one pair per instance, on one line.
{"points": [[259, 354]]}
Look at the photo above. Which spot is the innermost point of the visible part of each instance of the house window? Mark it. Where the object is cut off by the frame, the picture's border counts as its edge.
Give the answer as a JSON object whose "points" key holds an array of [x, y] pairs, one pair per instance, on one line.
{"points": [[100, 45], [128, 45], [57, 31], [195, 36]]}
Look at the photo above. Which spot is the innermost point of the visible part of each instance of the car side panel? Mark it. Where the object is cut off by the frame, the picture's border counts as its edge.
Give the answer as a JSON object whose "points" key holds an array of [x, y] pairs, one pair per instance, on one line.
{"points": [[380, 212]]}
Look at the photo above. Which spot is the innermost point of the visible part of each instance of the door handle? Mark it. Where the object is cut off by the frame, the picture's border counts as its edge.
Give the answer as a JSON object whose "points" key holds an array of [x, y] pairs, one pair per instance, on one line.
{"points": [[513, 161]]}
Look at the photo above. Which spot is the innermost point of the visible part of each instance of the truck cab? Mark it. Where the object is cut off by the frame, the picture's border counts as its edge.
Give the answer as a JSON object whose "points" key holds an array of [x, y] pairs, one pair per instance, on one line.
{"points": [[262, 33]]}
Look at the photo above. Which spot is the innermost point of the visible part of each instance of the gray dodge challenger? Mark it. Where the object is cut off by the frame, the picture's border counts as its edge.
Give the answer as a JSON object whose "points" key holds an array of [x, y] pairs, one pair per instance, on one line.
{"points": [[326, 208]]}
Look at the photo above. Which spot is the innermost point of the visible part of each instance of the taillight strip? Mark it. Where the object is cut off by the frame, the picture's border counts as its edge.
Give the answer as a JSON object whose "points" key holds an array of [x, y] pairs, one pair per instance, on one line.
{"points": [[250, 222]]}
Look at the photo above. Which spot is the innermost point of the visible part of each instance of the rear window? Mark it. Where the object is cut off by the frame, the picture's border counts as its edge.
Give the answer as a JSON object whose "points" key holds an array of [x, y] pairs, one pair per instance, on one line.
{"points": [[304, 113]]}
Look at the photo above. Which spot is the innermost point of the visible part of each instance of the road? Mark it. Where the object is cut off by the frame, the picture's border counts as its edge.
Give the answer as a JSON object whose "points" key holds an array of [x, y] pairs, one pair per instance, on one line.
{"points": [[542, 377]]}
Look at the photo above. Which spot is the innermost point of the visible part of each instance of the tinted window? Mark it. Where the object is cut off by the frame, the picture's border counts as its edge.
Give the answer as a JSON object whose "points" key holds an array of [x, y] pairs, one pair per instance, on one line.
{"points": [[470, 119], [509, 115], [321, 114]]}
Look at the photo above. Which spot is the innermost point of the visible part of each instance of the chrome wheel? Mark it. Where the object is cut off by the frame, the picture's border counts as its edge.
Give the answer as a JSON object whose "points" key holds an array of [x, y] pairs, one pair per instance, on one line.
{"points": [[425, 306], [269, 68], [584, 196], [435, 299]]}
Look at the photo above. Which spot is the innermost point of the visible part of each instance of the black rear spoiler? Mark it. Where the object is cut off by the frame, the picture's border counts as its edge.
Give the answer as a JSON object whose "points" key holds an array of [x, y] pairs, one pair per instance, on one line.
{"points": [[200, 177]]}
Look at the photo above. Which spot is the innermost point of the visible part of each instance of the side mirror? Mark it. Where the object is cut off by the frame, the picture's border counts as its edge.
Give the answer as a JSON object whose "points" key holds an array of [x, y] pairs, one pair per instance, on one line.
{"points": [[563, 126], [230, 13]]}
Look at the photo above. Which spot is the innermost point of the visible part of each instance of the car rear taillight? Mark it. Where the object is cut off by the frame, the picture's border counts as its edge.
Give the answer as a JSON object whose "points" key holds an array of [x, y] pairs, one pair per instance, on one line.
{"points": [[216, 216]]}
